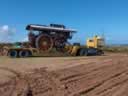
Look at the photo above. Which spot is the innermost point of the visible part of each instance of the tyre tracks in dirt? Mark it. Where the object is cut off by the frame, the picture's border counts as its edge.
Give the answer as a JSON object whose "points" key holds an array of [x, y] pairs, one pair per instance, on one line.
{"points": [[104, 76]]}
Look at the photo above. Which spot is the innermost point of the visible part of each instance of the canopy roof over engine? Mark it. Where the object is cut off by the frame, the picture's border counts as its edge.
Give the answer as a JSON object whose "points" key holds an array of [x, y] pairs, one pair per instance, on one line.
{"points": [[56, 28]]}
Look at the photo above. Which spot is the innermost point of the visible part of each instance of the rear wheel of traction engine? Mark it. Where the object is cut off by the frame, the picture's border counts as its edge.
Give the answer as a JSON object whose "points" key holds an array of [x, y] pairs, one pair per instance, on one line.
{"points": [[44, 43], [24, 53], [60, 45], [13, 53]]}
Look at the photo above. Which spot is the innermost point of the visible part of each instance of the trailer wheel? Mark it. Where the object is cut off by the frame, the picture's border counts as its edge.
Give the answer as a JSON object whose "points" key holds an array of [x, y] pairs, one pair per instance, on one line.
{"points": [[30, 53], [24, 53], [13, 53], [83, 52], [100, 52]]}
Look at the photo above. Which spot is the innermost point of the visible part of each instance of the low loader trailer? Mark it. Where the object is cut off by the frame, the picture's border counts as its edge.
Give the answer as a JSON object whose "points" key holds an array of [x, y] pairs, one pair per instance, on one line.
{"points": [[52, 40]]}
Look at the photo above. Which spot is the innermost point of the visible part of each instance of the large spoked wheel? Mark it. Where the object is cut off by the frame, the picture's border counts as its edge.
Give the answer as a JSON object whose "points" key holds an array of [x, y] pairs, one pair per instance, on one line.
{"points": [[44, 43], [24, 53], [13, 54]]}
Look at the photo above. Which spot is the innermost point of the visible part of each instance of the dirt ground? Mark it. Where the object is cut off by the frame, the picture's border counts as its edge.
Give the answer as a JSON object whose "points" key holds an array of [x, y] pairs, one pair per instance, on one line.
{"points": [[65, 76]]}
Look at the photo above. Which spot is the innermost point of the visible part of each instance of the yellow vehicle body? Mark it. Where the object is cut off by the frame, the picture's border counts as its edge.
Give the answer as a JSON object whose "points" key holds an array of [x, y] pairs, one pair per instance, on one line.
{"points": [[72, 50], [95, 42]]}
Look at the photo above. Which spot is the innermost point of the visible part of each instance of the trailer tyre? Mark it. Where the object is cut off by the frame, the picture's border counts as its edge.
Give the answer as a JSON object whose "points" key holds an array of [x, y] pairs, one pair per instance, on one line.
{"points": [[13, 54], [100, 52], [83, 52], [24, 54]]}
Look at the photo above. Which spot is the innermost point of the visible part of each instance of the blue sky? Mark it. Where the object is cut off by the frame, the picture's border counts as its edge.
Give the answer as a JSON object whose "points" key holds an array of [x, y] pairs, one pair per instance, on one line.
{"points": [[89, 17]]}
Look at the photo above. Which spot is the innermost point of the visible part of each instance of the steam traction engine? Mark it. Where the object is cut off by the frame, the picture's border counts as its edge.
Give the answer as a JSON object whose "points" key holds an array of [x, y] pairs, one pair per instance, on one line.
{"points": [[45, 38]]}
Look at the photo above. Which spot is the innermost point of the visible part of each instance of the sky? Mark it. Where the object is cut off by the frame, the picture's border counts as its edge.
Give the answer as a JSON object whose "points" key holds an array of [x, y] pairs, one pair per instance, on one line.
{"points": [[88, 17]]}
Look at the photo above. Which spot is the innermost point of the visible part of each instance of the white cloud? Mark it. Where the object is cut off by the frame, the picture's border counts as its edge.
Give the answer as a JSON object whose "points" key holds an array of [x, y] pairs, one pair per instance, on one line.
{"points": [[7, 33], [5, 28]]}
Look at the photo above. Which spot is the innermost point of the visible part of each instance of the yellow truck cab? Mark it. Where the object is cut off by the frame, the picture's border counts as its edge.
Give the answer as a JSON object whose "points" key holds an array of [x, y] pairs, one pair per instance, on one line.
{"points": [[95, 42]]}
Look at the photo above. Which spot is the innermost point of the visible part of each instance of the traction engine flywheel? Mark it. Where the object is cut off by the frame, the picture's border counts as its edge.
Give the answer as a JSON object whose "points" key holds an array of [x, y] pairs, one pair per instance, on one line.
{"points": [[44, 42]]}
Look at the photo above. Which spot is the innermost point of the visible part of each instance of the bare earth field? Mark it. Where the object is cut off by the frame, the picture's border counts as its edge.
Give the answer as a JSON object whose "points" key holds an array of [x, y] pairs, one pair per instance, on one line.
{"points": [[65, 76]]}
